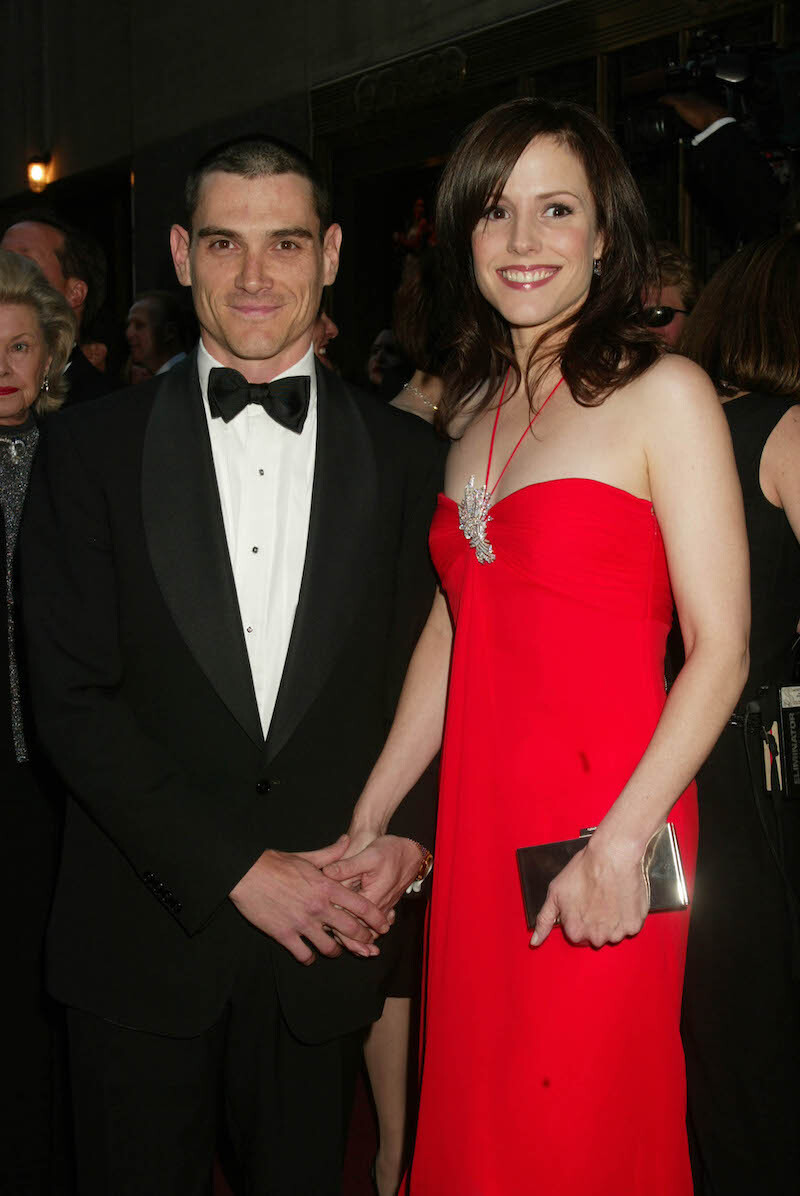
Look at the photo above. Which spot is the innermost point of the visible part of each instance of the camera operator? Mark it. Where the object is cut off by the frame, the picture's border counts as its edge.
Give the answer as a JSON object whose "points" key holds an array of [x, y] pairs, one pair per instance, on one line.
{"points": [[741, 1012], [733, 178]]}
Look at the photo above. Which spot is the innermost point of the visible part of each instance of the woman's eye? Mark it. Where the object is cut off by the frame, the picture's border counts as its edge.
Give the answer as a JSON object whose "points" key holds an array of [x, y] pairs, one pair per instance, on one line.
{"points": [[559, 209], [496, 213], [20, 346]]}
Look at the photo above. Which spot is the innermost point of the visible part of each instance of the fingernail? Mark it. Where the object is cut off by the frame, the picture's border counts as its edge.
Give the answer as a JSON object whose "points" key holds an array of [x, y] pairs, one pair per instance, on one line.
{"points": [[535, 939], [391, 915]]}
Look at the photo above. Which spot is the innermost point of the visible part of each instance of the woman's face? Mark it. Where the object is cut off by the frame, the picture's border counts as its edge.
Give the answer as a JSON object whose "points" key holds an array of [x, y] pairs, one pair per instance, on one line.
{"points": [[23, 362], [533, 251]]}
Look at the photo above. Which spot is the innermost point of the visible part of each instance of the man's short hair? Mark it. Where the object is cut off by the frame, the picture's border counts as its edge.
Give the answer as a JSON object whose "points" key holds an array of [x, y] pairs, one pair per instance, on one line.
{"points": [[678, 270], [256, 156], [80, 256], [166, 309]]}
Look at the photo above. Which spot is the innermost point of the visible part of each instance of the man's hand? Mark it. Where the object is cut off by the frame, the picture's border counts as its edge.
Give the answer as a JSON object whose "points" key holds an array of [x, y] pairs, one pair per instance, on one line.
{"points": [[383, 868], [288, 897], [597, 898], [695, 110]]}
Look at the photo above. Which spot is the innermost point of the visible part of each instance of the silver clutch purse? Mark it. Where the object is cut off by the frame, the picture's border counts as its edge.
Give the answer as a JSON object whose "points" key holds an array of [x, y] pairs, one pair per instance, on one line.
{"points": [[662, 865]]}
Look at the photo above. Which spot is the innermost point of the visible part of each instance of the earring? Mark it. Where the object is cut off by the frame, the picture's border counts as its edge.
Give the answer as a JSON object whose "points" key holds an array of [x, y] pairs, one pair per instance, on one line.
{"points": [[46, 385], [596, 267]]}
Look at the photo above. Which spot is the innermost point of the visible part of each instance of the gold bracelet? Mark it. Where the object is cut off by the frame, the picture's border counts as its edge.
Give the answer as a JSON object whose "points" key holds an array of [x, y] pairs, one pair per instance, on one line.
{"points": [[425, 865]]}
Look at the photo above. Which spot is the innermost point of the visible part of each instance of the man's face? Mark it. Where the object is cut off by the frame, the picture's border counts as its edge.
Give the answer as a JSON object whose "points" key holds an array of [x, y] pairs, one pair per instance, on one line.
{"points": [[41, 243], [669, 296], [257, 267], [140, 333]]}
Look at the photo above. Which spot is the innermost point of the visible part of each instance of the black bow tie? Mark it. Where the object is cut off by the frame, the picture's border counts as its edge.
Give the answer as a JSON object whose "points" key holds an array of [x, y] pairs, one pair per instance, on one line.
{"points": [[285, 399]]}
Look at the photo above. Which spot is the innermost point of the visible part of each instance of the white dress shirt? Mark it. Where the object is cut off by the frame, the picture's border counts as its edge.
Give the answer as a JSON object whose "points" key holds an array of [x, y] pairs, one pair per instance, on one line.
{"points": [[167, 366], [265, 474]]}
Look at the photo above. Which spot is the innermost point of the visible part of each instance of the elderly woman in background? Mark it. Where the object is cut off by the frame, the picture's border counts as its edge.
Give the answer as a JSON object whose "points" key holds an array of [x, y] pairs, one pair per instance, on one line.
{"points": [[741, 1014], [37, 331]]}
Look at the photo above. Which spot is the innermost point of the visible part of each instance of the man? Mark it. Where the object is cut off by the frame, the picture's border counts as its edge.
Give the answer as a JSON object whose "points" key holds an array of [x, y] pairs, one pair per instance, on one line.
{"points": [[153, 331], [669, 306], [73, 263], [221, 611], [325, 330]]}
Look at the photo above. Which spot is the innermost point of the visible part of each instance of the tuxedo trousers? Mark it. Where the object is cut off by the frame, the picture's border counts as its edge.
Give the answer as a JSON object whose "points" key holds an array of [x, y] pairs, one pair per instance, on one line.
{"points": [[150, 1111]]}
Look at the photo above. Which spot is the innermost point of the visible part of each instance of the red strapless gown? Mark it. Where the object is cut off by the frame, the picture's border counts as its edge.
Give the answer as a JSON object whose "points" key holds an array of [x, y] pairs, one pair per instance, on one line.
{"points": [[557, 1071]]}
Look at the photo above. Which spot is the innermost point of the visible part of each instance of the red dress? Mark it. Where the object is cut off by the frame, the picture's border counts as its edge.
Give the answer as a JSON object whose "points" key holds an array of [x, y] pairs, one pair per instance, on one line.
{"points": [[557, 1071]]}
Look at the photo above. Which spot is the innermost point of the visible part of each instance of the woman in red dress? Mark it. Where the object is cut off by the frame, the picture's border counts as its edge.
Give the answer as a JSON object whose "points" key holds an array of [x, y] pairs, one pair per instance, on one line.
{"points": [[591, 478]]}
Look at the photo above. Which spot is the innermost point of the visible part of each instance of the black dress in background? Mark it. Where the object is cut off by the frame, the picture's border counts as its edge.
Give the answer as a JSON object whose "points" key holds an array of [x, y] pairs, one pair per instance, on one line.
{"points": [[33, 1152], [741, 1011]]}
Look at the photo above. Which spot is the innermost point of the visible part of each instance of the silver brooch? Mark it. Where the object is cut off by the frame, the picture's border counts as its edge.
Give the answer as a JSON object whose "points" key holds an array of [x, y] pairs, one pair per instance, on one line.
{"points": [[473, 516]]}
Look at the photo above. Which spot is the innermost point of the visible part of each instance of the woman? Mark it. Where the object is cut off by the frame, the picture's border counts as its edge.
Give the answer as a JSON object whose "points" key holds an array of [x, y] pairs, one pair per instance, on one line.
{"points": [[741, 1019], [418, 326], [603, 464], [37, 330]]}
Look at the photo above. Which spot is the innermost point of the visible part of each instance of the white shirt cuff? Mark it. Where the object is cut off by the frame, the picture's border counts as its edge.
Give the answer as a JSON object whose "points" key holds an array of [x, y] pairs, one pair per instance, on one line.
{"points": [[712, 128]]}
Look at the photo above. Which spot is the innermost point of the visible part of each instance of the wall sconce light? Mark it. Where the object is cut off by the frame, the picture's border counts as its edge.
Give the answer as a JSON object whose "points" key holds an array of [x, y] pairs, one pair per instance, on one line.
{"points": [[39, 173]]}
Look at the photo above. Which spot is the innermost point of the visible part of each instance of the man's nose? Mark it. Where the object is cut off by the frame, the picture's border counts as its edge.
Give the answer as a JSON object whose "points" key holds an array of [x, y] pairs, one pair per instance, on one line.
{"points": [[254, 274]]}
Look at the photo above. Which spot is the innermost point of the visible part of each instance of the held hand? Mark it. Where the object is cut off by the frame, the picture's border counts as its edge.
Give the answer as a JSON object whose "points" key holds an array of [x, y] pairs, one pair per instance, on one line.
{"points": [[288, 896], [385, 867], [599, 897]]}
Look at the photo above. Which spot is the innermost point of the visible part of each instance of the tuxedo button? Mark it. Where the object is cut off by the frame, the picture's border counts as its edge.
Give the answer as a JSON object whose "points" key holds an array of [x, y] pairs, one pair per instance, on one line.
{"points": [[263, 786]]}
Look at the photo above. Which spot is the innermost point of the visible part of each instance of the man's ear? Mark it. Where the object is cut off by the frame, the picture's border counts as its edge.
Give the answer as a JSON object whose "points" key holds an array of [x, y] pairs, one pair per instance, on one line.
{"points": [[75, 292], [331, 247], [179, 244]]}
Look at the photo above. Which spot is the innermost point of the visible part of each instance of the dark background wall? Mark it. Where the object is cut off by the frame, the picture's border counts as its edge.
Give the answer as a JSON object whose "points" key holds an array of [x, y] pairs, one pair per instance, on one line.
{"points": [[125, 95]]}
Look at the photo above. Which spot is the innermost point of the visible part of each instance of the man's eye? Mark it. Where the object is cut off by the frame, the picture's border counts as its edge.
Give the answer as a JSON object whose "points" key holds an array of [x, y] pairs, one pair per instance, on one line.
{"points": [[287, 244], [222, 243]]}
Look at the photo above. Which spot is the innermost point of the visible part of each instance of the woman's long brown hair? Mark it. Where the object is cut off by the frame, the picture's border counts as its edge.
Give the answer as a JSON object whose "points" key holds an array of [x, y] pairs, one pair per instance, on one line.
{"points": [[745, 329], [607, 341]]}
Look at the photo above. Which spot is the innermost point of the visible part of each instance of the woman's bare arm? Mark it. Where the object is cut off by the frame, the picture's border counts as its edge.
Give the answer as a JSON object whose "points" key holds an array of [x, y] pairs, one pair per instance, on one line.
{"points": [[601, 896]]}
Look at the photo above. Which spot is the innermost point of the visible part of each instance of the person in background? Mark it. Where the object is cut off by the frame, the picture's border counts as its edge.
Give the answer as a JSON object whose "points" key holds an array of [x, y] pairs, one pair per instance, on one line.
{"points": [[37, 329], [670, 304], [154, 332], [325, 330], [741, 1009], [73, 262], [419, 331], [731, 179], [417, 327]]}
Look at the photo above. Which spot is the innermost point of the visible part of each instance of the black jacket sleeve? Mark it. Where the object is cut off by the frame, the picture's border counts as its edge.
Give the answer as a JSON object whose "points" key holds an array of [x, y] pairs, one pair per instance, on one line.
{"points": [[189, 838]]}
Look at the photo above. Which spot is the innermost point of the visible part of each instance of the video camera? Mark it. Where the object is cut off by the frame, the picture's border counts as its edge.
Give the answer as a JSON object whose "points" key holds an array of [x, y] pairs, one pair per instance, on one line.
{"points": [[758, 85]]}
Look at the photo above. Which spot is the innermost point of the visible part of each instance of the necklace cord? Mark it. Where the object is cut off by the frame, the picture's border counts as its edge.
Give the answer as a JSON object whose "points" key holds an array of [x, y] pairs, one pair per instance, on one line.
{"points": [[522, 437]]}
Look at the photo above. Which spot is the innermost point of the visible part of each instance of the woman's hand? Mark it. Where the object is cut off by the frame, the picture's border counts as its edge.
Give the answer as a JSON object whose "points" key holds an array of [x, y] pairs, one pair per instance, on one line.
{"points": [[600, 897]]}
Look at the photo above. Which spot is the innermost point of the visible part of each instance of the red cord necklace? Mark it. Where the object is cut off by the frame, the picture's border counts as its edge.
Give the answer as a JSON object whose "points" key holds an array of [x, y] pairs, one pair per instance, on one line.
{"points": [[473, 510]]}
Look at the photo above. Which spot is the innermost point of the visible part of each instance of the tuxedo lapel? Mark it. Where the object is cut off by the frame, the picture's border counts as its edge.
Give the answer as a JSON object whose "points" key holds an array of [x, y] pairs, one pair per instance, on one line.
{"points": [[187, 543], [343, 515]]}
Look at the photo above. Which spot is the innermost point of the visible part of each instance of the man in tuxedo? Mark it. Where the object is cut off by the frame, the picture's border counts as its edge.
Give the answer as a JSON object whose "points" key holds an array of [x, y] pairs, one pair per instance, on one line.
{"points": [[74, 263], [225, 572]]}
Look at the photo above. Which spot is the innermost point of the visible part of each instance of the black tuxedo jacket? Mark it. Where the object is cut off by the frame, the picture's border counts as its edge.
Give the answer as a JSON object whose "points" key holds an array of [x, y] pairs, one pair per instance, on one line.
{"points": [[144, 698], [84, 381]]}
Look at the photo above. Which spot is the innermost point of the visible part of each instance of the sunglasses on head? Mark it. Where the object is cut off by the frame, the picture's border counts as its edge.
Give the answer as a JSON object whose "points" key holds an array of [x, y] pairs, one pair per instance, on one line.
{"points": [[659, 317]]}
